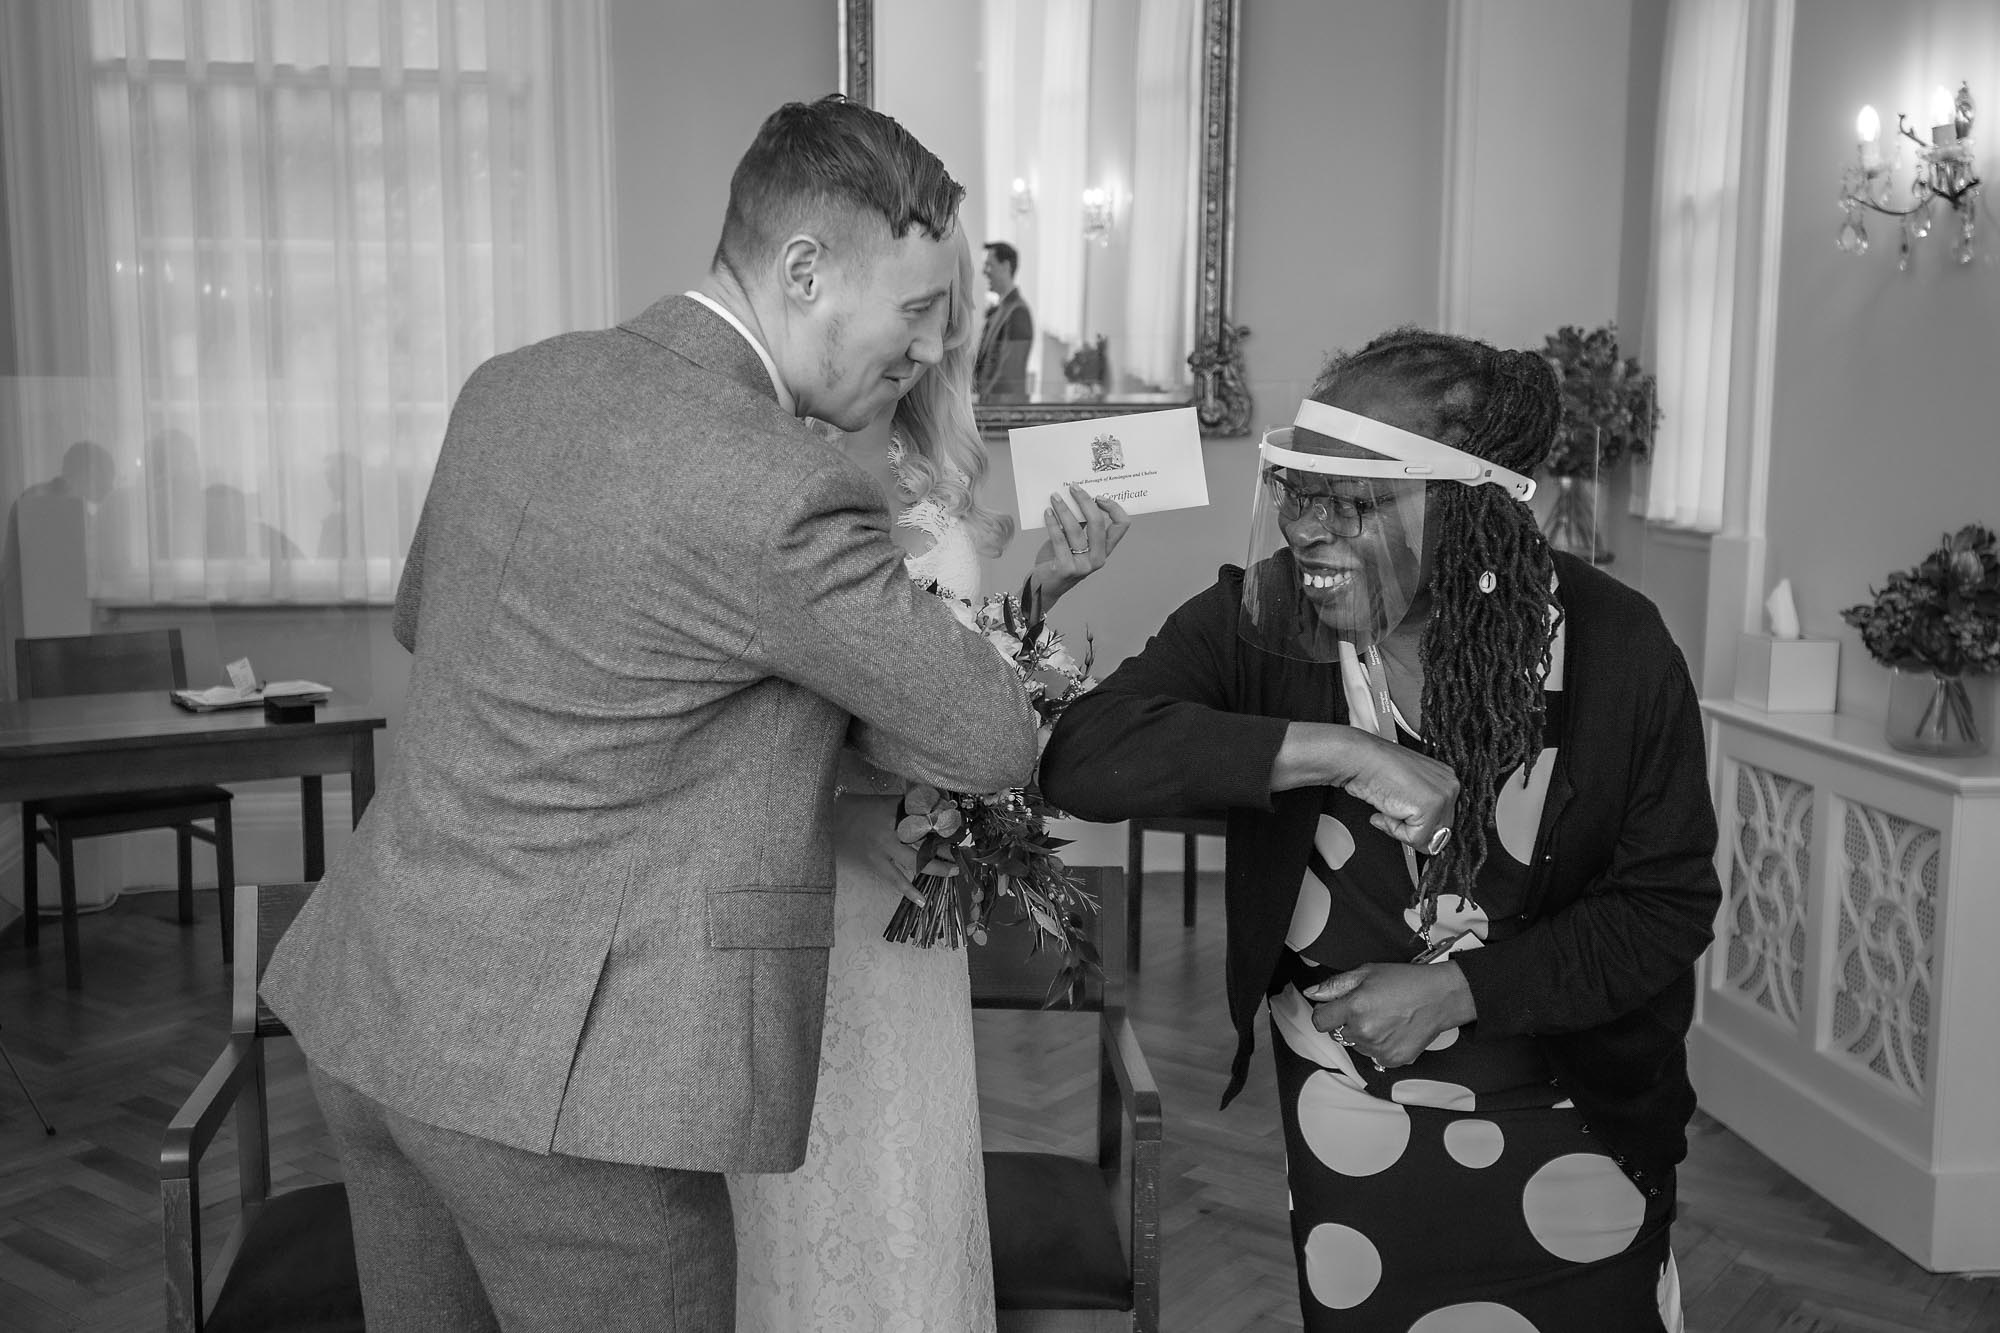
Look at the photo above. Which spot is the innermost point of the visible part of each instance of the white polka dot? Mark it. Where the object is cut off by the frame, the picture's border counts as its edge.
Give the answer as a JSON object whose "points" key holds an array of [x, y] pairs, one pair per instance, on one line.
{"points": [[1581, 1207], [1474, 1143], [1294, 1015], [1443, 1040], [1348, 1130], [1309, 913], [1667, 1291], [1474, 1317], [1517, 806], [1431, 1092], [1334, 842], [1343, 1267]]}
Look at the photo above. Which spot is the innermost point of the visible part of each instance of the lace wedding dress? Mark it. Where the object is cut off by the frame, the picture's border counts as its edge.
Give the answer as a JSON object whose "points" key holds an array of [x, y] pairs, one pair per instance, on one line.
{"points": [[883, 1229]]}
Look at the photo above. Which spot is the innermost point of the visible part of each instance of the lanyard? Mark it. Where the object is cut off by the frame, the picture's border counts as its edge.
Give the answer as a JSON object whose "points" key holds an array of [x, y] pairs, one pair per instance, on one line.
{"points": [[1385, 727]]}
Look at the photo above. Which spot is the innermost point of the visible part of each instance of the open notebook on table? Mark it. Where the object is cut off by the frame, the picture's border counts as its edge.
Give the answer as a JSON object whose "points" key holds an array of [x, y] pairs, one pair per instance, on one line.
{"points": [[228, 696]]}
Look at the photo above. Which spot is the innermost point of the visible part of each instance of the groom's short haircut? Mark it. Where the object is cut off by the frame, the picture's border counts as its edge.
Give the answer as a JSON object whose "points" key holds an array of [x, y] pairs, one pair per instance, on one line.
{"points": [[818, 167]]}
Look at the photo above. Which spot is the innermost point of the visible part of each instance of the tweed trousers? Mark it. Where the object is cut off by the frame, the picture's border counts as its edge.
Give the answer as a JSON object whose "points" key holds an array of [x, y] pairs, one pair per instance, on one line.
{"points": [[457, 1233]]}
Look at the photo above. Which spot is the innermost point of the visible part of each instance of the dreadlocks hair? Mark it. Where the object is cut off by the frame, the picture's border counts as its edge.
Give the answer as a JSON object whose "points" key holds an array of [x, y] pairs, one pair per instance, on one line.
{"points": [[1484, 654]]}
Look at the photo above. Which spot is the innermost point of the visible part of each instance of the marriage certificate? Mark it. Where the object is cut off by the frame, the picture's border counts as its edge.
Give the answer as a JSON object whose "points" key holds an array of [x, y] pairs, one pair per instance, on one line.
{"points": [[1146, 461]]}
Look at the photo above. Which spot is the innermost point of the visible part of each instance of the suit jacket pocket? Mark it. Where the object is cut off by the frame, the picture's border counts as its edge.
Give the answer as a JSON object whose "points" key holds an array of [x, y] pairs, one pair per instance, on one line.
{"points": [[770, 918]]}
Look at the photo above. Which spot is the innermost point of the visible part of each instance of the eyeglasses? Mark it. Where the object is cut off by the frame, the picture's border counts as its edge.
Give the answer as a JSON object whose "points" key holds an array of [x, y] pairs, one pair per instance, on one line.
{"points": [[1341, 515]]}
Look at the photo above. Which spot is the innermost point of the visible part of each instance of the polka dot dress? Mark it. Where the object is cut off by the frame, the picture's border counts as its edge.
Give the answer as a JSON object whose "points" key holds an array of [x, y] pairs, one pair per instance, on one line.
{"points": [[1462, 1193]]}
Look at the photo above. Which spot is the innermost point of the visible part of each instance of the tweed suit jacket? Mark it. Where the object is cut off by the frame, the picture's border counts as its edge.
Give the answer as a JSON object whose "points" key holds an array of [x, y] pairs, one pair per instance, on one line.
{"points": [[588, 911]]}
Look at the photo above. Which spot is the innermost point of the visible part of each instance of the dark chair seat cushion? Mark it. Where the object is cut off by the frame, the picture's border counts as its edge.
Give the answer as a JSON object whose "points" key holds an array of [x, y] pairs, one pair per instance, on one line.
{"points": [[1055, 1238], [130, 802], [295, 1271]]}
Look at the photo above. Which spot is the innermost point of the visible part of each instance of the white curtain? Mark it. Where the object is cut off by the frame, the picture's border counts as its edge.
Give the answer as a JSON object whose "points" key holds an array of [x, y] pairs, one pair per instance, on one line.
{"points": [[309, 222], [1158, 313], [1697, 200], [1054, 268], [1000, 22]]}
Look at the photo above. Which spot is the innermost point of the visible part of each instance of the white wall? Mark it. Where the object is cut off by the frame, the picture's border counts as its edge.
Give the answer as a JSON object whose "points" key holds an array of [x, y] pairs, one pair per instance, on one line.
{"points": [[1886, 427], [690, 84], [1542, 131]]}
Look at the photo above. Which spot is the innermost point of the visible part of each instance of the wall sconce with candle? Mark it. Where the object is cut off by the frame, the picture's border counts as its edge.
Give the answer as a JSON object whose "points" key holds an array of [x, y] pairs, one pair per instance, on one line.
{"points": [[1943, 170], [1021, 197], [1099, 209]]}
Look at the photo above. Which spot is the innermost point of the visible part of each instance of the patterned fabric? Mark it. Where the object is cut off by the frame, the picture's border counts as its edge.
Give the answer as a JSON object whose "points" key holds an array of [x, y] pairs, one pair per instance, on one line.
{"points": [[884, 1226], [1462, 1192], [952, 562]]}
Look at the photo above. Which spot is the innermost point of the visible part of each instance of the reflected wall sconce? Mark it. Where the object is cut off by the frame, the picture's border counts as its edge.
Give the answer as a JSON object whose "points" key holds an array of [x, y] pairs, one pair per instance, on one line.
{"points": [[1942, 170], [1021, 197], [1099, 206]]}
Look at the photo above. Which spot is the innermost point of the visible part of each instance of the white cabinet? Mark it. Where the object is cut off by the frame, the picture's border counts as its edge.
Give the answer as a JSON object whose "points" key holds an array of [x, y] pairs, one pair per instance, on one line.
{"points": [[1848, 1023]]}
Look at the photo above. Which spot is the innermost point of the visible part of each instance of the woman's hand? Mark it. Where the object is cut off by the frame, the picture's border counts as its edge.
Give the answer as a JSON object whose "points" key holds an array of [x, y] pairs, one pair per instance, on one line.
{"points": [[1391, 1011], [1074, 550], [1412, 794]]}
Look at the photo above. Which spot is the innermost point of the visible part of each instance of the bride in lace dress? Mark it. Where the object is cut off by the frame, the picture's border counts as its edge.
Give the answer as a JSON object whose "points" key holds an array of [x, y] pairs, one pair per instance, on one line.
{"points": [[883, 1229]]}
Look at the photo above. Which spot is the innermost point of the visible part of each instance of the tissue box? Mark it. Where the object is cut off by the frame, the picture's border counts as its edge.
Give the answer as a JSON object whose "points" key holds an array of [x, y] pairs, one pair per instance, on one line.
{"points": [[1787, 675]]}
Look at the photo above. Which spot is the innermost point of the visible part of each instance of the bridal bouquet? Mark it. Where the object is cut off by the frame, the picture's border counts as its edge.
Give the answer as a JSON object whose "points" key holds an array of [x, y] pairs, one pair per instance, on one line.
{"points": [[975, 849]]}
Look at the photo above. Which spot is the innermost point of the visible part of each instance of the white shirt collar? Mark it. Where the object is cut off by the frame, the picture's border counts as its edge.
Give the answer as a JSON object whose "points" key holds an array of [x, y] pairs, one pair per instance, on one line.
{"points": [[785, 399]]}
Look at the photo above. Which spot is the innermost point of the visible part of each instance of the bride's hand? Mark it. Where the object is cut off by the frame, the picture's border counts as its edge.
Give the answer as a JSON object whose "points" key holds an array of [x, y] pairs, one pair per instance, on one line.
{"points": [[1075, 550]]}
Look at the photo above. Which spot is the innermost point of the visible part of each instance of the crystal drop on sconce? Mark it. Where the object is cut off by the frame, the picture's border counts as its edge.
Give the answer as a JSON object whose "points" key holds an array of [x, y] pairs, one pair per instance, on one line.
{"points": [[1853, 237]]}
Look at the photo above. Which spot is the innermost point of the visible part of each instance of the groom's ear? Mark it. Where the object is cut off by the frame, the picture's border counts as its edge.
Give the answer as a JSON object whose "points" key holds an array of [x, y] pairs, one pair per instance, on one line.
{"points": [[802, 267]]}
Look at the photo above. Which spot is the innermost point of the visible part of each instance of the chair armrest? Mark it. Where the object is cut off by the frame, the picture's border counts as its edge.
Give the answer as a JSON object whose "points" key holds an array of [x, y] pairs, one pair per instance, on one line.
{"points": [[1136, 1087], [1134, 1169], [194, 1126]]}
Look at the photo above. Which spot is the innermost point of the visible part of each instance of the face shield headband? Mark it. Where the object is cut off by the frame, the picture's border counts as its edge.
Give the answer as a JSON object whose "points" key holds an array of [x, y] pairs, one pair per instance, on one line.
{"points": [[1337, 539]]}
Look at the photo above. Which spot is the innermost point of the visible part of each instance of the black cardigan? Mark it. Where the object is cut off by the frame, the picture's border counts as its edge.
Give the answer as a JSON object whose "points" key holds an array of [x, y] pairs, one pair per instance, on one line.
{"points": [[1622, 893]]}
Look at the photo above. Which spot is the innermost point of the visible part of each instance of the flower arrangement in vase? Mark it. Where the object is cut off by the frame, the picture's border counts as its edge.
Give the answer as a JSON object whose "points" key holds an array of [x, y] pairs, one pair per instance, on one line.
{"points": [[1609, 412], [1933, 626]]}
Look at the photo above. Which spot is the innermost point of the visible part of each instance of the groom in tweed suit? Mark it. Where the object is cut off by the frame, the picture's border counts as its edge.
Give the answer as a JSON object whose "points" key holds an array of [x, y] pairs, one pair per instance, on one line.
{"points": [[573, 964]]}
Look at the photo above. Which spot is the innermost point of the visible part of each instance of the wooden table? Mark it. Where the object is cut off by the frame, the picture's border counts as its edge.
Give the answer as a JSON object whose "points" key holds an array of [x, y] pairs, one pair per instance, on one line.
{"points": [[97, 744]]}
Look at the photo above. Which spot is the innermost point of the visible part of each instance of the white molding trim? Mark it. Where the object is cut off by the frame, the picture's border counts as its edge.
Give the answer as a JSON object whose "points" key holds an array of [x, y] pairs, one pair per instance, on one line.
{"points": [[1461, 161], [1777, 126], [1739, 560]]}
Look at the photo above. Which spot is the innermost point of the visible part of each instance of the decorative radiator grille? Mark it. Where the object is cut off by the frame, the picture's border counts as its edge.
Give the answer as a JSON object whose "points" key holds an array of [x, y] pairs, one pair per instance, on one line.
{"points": [[1764, 920], [1882, 980]]}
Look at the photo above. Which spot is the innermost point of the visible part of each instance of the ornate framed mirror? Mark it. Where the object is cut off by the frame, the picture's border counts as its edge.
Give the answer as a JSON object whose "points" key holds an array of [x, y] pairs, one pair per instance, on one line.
{"points": [[1097, 143]]}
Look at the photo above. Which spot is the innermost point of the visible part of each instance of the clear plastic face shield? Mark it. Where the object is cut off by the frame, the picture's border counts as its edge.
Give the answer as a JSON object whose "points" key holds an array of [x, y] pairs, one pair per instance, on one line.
{"points": [[1337, 529]]}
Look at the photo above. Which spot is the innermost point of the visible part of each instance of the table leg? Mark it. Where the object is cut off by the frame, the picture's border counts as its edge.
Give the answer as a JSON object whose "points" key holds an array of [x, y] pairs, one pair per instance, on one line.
{"points": [[72, 951], [31, 870], [312, 810], [362, 769], [1188, 841], [1135, 860]]}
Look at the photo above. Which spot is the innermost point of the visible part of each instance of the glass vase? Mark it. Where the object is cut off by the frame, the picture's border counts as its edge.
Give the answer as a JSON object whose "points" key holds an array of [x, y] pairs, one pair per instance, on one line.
{"points": [[1937, 714], [1571, 524]]}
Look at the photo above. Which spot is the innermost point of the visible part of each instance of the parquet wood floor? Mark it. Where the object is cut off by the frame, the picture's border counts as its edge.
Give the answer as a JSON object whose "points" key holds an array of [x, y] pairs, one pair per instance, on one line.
{"points": [[79, 1213]]}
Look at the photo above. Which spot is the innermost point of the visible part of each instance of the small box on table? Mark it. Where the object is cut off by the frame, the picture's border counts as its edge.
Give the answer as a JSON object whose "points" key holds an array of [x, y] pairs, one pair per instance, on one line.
{"points": [[1787, 675]]}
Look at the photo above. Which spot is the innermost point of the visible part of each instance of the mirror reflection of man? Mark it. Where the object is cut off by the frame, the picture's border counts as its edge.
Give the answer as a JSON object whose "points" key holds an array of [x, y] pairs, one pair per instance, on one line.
{"points": [[1000, 372]]}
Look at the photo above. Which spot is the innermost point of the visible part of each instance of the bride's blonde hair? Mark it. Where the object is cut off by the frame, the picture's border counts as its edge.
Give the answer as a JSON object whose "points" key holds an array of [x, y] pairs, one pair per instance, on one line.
{"points": [[944, 456]]}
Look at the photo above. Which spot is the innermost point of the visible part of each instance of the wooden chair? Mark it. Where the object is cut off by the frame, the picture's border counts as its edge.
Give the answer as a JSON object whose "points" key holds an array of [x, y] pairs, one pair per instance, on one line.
{"points": [[111, 664], [1076, 1242], [288, 1263], [1189, 827]]}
